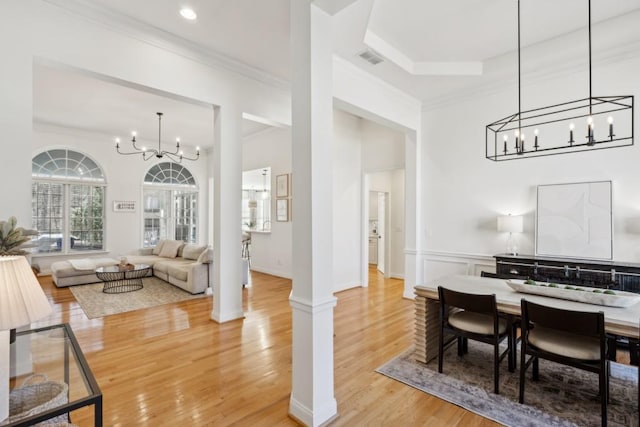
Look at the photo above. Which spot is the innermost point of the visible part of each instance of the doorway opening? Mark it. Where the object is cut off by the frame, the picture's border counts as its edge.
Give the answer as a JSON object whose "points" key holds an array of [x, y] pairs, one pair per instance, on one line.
{"points": [[383, 223]]}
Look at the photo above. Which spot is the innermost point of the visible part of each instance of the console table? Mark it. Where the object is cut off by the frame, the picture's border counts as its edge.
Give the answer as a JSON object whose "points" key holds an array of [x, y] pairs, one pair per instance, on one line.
{"points": [[622, 276]]}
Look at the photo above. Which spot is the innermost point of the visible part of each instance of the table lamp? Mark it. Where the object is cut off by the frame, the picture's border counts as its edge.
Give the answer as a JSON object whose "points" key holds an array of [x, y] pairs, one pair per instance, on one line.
{"points": [[511, 224], [22, 301]]}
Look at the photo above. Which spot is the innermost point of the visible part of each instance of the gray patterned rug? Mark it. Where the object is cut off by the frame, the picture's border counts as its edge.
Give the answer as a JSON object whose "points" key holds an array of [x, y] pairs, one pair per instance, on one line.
{"points": [[564, 396], [155, 292]]}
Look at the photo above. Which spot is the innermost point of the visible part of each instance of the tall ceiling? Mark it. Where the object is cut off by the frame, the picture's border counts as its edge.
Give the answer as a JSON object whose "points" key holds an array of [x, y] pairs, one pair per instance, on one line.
{"points": [[414, 37]]}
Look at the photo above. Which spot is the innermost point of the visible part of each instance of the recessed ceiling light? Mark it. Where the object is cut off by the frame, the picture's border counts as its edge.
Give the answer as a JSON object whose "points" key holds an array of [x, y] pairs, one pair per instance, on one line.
{"points": [[188, 13]]}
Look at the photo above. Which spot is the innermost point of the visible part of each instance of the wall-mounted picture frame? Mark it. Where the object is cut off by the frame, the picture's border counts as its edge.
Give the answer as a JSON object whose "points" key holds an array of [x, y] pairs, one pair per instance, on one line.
{"points": [[575, 220], [124, 206], [282, 210], [282, 185]]}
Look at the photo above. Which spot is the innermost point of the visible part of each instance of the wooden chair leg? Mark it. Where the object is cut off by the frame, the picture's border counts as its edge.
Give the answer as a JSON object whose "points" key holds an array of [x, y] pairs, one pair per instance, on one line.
{"points": [[523, 368], [536, 370], [604, 392], [511, 342], [440, 348], [496, 368]]}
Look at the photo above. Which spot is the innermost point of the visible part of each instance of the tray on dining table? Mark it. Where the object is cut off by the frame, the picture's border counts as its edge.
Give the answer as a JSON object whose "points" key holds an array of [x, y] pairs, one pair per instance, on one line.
{"points": [[598, 296]]}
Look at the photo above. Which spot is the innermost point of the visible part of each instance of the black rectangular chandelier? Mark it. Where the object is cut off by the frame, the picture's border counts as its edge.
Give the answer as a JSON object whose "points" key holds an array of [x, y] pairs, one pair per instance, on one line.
{"points": [[593, 123]]}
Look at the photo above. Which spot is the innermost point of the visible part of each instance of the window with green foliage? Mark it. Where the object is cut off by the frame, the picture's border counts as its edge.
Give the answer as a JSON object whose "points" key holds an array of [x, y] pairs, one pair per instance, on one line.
{"points": [[67, 202], [170, 204]]}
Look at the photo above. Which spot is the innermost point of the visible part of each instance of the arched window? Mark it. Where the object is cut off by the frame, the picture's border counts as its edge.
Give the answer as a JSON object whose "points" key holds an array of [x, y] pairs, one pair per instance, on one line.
{"points": [[170, 204], [67, 202]]}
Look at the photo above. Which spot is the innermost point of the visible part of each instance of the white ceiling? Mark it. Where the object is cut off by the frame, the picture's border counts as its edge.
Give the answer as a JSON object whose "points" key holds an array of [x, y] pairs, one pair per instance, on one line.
{"points": [[255, 33], [73, 99]]}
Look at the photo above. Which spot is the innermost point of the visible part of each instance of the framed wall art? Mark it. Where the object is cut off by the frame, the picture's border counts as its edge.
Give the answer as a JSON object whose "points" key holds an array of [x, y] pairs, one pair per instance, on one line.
{"points": [[124, 206], [282, 210], [575, 220], [282, 185]]}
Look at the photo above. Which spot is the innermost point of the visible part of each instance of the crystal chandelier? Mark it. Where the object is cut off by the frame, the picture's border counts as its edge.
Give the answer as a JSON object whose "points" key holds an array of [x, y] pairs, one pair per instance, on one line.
{"points": [[556, 129], [148, 153]]}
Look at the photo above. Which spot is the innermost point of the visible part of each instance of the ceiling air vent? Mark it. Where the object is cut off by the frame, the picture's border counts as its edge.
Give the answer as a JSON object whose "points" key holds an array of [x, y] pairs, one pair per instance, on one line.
{"points": [[371, 56]]}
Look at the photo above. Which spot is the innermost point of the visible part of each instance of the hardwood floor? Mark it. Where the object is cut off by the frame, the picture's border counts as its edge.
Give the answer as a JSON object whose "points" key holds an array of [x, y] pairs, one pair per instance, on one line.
{"points": [[171, 365]]}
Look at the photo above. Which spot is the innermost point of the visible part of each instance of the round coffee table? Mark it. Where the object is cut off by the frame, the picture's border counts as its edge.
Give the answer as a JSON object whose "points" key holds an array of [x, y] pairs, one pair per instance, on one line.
{"points": [[118, 279]]}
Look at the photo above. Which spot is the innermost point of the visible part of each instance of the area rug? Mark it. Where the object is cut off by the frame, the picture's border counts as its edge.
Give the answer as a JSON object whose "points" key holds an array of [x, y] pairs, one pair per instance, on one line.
{"points": [[563, 396], [155, 292]]}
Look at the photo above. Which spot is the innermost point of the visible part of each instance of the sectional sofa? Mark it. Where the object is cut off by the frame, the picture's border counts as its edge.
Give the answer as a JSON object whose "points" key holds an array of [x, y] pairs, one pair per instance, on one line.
{"points": [[186, 266]]}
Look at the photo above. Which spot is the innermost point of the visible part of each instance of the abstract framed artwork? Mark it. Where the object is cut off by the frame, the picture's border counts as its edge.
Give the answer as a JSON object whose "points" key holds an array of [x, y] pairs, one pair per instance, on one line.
{"points": [[575, 220], [282, 210], [282, 185]]}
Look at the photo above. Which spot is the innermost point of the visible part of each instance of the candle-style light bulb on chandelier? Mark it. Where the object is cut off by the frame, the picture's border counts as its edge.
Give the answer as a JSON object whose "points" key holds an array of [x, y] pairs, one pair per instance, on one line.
{"points": [[148, 153], [557, 128]]}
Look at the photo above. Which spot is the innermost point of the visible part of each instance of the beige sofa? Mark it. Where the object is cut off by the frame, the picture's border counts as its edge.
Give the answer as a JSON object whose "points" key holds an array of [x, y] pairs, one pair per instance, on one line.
{"points": [[186, 266], [78, 271]]}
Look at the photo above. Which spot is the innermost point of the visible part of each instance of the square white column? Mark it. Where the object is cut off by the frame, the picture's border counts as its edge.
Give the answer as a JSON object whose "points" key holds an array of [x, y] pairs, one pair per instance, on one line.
{"points": [[227, 221], [312, 301]]}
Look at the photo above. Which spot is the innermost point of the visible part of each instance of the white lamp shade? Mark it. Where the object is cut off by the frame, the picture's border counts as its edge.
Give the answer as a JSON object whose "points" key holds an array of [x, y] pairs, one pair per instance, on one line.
{"points": [[510, 223], [22, 300]]}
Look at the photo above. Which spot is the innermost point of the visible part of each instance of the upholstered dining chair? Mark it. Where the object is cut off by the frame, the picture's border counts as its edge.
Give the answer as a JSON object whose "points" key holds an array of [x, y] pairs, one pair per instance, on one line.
{"points": [[573, 338], [475, 317]]}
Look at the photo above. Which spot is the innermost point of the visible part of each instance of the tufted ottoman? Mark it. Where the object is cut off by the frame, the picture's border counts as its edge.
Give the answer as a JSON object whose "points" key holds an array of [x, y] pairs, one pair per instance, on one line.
{"points": [[65, 274]]}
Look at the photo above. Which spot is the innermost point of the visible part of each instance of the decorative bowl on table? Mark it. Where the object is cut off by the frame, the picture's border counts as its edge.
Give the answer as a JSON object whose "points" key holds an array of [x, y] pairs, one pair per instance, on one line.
{"points": [[584, 294]]}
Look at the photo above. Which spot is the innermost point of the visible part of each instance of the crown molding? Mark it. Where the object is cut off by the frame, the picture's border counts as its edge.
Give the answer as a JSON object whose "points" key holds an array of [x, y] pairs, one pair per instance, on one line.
{"points": [[421, 68], [557, 61], [345, 66], [161, 39]]}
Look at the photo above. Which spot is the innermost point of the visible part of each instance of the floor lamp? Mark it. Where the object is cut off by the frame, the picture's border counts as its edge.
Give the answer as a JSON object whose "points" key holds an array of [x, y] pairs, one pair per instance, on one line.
{"points": [[22, 301], [511, 224]]}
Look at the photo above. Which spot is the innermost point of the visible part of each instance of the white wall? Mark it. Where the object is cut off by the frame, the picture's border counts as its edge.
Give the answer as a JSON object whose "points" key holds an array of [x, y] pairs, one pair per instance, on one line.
{"points": [[347, 205], [396, 207], [355, 140], [124, 176], [47, 32], [382, 149], [270, 252], [464, 192]]}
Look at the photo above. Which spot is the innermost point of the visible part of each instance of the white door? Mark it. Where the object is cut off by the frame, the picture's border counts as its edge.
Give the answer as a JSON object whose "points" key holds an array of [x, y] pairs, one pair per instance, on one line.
{"points": [[382, 211]]}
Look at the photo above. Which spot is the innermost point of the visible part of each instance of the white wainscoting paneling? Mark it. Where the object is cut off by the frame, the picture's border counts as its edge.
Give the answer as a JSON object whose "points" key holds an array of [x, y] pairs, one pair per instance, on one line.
{"points": [[440, 264]]}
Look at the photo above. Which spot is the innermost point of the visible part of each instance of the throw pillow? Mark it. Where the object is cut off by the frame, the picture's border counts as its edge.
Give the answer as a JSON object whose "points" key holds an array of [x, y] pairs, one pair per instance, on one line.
{"points": [[204, 256], [192, 251], [158, 247], [170, 248]]}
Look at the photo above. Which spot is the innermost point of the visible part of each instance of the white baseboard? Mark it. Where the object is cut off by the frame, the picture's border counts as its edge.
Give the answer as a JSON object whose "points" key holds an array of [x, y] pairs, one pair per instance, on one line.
{"points": [[271, 271], [307, 417], [346, 286]]}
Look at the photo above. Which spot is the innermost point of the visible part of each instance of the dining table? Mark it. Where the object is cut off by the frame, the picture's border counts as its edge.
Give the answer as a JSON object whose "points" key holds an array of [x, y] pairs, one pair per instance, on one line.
{"points": [[619, 321]]}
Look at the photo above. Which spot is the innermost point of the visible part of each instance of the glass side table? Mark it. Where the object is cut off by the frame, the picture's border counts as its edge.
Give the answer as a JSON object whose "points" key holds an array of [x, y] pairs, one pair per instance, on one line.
{"points": [[49, 372]]}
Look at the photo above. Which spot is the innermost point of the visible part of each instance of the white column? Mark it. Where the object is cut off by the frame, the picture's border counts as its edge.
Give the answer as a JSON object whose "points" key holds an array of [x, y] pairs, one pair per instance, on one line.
{"points": [[413, 268], [227, 221], [16, 118], [312, 301]]}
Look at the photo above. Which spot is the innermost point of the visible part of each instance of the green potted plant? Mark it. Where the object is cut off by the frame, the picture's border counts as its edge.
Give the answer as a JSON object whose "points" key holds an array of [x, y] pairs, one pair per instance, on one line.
{"points": [[14, 240]]}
